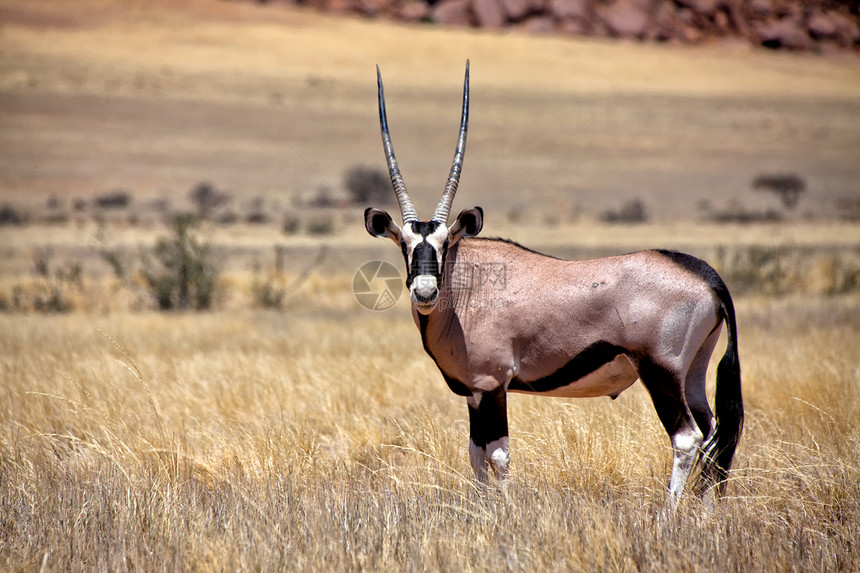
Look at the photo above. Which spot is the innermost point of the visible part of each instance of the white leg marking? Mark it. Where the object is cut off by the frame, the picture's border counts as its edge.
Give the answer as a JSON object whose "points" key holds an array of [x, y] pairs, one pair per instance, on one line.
{"points": [[498, 452], [685, 446]]}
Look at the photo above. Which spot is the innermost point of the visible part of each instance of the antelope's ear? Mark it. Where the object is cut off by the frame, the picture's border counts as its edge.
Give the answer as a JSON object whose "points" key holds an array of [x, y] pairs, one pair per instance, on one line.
{"points": [[468, 224], [379, 224]]}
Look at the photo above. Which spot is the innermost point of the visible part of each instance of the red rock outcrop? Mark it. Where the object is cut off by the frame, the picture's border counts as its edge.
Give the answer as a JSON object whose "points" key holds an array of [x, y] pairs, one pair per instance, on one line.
{"points": [[819, 25]]}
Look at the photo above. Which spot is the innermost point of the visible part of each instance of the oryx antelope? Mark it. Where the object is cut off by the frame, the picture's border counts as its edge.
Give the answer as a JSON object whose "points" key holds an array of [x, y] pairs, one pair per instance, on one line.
{"points": [[565, 328]]}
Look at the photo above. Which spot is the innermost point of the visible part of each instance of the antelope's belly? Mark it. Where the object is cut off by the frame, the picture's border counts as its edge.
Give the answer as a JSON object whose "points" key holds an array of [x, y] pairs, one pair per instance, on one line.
{"points": [[609, 379]]}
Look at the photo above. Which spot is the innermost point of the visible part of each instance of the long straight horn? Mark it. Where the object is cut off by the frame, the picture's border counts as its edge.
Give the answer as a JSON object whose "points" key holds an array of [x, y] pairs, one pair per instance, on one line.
{"points": [[441, 213], [407, 211]]}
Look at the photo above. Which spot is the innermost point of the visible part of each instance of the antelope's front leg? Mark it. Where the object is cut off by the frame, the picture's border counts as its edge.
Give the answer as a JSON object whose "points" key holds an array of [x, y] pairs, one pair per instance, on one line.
{"points": [[488, 429]]}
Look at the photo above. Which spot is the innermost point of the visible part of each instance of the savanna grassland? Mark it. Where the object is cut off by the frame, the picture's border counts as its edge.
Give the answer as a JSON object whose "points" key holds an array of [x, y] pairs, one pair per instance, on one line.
{"points": [[287, 428], [310, 441]]}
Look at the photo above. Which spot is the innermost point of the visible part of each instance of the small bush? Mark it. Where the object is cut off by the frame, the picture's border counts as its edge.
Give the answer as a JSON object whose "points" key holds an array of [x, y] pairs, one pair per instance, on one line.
{"points": [[9, 215], [256, 218], [257, 213], [270, 289], [228, 218], [630, 212], [206, 198], [57, 282], [183, 272], [118, 199], [290, 226], [742, 216], [267, 290], [367, 184], [320, 225], [786, 186], [323, 199]]}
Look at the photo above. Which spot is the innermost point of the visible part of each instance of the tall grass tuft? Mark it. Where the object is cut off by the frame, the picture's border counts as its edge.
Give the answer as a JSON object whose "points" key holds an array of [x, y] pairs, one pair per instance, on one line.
{"points": [[330, 442]]}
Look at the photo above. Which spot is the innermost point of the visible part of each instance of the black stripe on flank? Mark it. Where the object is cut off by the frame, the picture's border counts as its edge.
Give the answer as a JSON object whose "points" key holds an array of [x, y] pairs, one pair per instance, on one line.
{"points": [[580, 366], [455, 385]]}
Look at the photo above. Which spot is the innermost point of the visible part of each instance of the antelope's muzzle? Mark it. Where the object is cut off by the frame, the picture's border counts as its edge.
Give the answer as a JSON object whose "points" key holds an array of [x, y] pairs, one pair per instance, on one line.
{"points": [[424, 292]]}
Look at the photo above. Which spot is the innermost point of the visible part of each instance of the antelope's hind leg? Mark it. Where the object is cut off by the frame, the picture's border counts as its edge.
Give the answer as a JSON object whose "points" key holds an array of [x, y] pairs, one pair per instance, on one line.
{"points": [[697, 401], [667, 390], [488, 432]]}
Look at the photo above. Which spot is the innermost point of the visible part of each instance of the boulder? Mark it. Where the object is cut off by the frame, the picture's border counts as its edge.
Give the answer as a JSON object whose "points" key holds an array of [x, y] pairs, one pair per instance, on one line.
{"points": [[413, 11], [373, 7], [575, 27], [761, 7], [626, 19], [516, 9], [488, 13], [342, 6], [452, 13], [539, 25], [822, 25], [783, 33], [705, 7], [562, 9], [835, 26]]}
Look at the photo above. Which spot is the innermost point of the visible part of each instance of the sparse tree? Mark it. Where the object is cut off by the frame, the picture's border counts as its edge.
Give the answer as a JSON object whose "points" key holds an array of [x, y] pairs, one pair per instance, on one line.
{"points": [[206, 198], [787, 186], [367, 185]]}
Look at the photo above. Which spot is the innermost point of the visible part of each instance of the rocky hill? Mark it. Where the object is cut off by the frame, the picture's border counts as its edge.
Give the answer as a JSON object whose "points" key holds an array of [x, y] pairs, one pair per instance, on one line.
{"points": [[817, 25]]}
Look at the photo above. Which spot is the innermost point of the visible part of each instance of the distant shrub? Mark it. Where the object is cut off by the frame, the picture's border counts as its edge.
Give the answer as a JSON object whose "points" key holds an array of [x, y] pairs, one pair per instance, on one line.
{"points": [[9, 215], [631, 212], [257, 214], [320, 225], [367, 184], [182, 272], [206, 198], [228, 218], [267, 290], [323, 199], [270, 290], [53, 295], [742, 216], [257, 218], [848, 208], [786, 186], [118, 199], [291, 223]]}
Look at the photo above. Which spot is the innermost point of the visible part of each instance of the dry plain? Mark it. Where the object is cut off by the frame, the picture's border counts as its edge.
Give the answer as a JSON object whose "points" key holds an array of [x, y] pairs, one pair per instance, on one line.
{"points": [[319, 436]]}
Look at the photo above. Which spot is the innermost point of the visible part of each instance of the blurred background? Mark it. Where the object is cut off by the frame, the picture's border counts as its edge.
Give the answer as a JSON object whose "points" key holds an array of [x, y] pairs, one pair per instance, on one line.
{"points": [[728, 129]]}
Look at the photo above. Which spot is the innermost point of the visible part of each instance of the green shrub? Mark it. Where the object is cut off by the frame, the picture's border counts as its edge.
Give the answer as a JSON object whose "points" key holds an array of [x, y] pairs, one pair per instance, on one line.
{"points": [[367, 184], [182, 272], [320, 225]]}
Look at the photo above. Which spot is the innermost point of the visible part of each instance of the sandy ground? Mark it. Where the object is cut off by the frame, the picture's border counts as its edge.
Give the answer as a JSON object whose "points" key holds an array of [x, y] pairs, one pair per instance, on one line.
{"points": [[274, 102]]}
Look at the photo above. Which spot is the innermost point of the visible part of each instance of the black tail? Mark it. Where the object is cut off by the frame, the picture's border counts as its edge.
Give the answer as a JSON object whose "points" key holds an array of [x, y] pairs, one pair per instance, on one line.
{"points": [[728, 402], [719, 449]]}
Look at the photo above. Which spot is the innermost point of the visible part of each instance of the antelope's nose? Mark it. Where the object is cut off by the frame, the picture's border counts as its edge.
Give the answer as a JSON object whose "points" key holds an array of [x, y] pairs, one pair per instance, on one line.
{"points": [[424, 288]]}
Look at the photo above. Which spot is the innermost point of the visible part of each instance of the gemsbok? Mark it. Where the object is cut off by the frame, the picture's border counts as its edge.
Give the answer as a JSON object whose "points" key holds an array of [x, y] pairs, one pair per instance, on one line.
{"points": [[497, 317]]}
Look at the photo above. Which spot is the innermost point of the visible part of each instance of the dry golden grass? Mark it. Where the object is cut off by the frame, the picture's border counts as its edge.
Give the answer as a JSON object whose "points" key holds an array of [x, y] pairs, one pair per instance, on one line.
{"points": [[323, 437], [327, 440]]}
